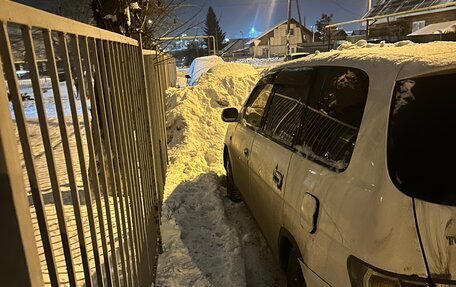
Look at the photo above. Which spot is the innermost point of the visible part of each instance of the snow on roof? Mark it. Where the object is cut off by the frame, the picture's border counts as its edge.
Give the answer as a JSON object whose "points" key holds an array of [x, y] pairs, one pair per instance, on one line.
{"points": [[385, 7], [437, 28], [428, 54], [272, 29]]}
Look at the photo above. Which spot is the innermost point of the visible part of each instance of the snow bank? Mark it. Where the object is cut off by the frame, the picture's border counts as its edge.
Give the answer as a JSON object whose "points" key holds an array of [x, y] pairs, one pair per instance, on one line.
{"points": [[194, 127], [201, 248]]}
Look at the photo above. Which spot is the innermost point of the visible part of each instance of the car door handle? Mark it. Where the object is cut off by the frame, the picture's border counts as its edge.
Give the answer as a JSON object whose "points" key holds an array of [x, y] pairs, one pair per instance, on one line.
{"points": [[277, 177], [246, 152]]}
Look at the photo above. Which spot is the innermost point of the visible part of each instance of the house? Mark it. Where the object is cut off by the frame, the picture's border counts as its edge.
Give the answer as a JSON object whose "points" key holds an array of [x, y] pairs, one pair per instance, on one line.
{"points": [[236, 48], [274, 41], [338, 34], [399, 27]]}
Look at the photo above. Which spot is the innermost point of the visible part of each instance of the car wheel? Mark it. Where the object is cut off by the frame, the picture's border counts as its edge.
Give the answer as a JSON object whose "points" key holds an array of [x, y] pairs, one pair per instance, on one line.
{"points": [[294, 272], [231, 190]]}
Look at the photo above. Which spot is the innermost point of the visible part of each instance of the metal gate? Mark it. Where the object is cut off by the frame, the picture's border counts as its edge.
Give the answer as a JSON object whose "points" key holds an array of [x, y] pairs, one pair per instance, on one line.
{"points": [[82, 160]]}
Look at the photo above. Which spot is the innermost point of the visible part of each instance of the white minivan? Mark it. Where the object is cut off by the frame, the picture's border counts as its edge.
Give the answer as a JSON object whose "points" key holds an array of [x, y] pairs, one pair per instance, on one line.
{"points": [[345, 160]]}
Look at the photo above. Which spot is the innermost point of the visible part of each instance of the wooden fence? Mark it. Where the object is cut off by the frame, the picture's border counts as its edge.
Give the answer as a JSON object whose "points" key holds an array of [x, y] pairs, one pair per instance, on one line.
{"points": [[83, 162]]}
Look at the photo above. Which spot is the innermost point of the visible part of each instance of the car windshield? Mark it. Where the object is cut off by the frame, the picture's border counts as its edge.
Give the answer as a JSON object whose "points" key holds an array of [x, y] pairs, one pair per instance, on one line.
{"points": [[421, 160]]}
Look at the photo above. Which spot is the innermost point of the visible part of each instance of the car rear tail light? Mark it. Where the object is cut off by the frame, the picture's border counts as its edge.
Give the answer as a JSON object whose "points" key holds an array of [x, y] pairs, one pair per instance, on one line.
{"points": [[364, 275]]}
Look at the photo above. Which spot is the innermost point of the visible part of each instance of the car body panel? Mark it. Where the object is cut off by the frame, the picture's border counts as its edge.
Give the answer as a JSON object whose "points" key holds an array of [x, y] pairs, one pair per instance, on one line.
{"points": [[266, 201], [437, 226], [242, 139]]}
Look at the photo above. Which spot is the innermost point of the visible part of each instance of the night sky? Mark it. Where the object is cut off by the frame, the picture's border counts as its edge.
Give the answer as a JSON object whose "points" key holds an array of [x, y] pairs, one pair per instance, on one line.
{"points": [[241, 15]]}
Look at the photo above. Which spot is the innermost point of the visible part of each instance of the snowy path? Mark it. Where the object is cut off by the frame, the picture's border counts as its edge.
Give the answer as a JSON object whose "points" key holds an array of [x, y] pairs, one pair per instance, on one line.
{"points": [[207, 239]]}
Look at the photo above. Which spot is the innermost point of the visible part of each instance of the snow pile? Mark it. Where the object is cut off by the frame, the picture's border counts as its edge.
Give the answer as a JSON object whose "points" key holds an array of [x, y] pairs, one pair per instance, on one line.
{"points": [[202, 246], [194, 117]]}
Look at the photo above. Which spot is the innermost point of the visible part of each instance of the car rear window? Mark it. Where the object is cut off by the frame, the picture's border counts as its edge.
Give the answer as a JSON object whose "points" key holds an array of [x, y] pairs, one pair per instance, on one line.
{"points": [[421, 160]]}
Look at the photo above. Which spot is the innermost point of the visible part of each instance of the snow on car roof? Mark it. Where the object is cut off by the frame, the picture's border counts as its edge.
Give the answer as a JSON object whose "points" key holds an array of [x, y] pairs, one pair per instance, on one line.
{"points": [[401, 54]]}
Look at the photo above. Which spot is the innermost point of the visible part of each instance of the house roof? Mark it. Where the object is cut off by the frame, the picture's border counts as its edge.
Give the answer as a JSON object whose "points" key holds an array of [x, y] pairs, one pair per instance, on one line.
{"points": [[230, 45], [276, 26], [437, 28], [385, 7]]}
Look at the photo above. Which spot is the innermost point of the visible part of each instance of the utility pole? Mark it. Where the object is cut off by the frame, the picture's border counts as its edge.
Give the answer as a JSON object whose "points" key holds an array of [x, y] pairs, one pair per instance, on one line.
{"points": [[300, 23], [369, 5], [287, 52]]}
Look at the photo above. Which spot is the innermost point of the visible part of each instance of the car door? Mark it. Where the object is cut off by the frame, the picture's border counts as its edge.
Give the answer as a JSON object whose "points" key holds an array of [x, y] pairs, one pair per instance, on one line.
{"points": [[273, 146], [318, 183], [242, 138]]}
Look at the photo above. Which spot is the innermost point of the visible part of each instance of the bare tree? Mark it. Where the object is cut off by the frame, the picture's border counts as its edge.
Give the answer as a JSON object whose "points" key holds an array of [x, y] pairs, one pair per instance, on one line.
{"points": [[153, 18]]}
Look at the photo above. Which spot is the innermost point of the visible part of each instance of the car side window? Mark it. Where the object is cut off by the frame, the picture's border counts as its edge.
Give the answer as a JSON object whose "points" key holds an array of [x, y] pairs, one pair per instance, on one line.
{"points": [[256, 105], [287, 105], [333, 116]]}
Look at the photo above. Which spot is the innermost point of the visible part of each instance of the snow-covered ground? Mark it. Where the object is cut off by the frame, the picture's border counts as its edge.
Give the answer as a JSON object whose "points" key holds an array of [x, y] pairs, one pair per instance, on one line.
{"points": [[207, 239], [26, 90]]}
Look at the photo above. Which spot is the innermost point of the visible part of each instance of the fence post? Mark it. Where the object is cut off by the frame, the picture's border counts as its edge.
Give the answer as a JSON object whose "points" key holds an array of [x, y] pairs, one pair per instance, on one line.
{"points": [[19, 264]]}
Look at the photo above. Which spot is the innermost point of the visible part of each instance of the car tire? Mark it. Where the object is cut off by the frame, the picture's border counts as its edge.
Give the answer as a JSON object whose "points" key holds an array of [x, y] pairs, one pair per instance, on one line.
{"points": [[231, 190], [294, 272]]}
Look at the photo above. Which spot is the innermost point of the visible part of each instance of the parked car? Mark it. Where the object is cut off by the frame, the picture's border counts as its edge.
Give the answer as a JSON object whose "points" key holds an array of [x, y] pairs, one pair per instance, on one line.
{"points": [[294, 56], [346, 162], [199, 66], [23, 74]]}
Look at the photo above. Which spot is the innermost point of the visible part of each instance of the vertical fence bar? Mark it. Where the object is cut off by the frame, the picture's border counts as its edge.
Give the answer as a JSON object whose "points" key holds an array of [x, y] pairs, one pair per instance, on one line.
{"points": [[82, 162], [58, 201], [133, 139], [154, 119], [140, 166], [146, 136], [113, 161], [130, 156], [66, 148], [161, 121], [118, 121], [102, 145], [92, 130], [20, 265], [164, 143], [146, 168], [35, 189], [152, 163]]}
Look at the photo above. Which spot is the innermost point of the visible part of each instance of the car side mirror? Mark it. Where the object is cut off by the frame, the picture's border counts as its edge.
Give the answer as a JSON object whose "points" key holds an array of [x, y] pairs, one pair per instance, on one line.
{"points": [[230, 115], [187, 76]]}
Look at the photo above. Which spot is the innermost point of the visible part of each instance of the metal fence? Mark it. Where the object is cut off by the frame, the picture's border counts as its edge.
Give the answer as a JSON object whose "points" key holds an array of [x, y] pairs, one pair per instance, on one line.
{"points": [[82, 162]]}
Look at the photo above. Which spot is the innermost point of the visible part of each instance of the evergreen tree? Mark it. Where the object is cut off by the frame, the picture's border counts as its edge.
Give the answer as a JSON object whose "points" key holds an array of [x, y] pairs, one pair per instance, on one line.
{"points": [[213, 29], [322, 32]]}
